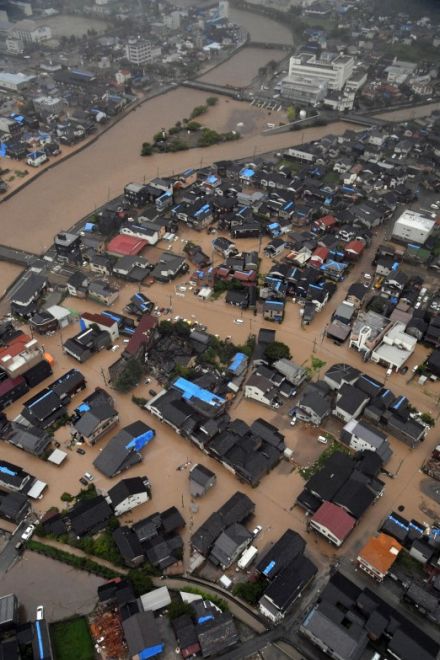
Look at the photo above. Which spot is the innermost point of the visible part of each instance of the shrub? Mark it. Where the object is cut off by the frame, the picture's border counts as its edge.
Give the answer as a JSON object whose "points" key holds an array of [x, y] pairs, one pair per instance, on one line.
{"points": [[277, 351], [66, 497], [251, 592], [212, 100], [198, 110], [82, 563]]}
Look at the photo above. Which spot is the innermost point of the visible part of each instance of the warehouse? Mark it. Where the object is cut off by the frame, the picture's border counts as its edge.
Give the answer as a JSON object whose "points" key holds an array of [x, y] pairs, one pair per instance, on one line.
{"points": [[413, 227]]}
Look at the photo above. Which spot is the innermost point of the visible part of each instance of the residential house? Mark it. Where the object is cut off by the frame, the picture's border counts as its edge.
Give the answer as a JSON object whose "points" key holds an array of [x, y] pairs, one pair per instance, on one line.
{"points": [[102, 292], [229, 545], [128, 545], [89, 516], [124, 449], [94, 417], [359, 436], [128, 494], [142, 635], [78, 284], [314, 404], [350, 402], [378, 555], [201, 480], [332, 522], [281, 594]]}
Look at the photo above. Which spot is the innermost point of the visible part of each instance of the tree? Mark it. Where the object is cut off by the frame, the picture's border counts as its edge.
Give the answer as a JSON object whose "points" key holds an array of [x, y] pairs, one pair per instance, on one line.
{"points": [[129, 376], [147, 149], [277, 351], [251, 592], [212, 100], [166, 328], [182, 329], [66, 497], [160, 136], [198, 110], [193, 125], [426, 418], [317, 364], [179, 608], [140, 580], [291, 113]]}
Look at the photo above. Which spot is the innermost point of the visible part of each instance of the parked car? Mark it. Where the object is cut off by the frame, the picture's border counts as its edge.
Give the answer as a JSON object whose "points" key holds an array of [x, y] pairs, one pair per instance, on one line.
{"points": [[30, 529], [40, 612], [80, 451], [152, 392], [88, 476], [258, 529], [322, 439], [84, 481]]}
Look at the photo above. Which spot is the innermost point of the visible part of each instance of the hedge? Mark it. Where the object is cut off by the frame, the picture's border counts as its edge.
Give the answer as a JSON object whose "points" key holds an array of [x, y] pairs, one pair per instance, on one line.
{"points": [[81, 563]]}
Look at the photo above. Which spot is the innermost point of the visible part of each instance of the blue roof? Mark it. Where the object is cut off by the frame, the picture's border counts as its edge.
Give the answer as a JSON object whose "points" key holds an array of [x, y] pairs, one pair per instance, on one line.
{"points": [[151, 651], [83, 407], [204, 619], [191, 390], [237, 360]]}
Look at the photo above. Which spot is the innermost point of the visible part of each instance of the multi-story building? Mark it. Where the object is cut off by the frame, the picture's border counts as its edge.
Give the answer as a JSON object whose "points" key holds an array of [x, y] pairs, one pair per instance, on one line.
{"points": [[138, 51], [311, 77], [29, 32]]}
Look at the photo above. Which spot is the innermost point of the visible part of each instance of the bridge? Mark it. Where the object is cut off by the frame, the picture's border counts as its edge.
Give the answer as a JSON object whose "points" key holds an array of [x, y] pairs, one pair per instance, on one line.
{"points": [[363, 120], [17, 257], [273, 46], [232, 92]]}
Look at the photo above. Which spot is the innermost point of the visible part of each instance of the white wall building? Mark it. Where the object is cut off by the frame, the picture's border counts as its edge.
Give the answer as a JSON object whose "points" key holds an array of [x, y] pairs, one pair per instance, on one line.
{"points": [[138, 51], [396, 347], [128, 494], [413, 227], [223, 9], [29, 32], [310, 77]]}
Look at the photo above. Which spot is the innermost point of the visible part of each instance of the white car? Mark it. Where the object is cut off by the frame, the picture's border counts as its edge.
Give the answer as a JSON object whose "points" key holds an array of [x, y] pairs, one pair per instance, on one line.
{"points": [[28, 532], [238, 321], [435, 206], [88, 476], [322, 439], [40, 612], [258, 529]]}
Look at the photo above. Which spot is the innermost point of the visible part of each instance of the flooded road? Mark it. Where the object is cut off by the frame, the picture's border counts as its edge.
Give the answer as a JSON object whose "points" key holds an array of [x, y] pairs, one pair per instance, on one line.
{"points": [[243, 67], [406, 114], [33, 581], [77, 186]]}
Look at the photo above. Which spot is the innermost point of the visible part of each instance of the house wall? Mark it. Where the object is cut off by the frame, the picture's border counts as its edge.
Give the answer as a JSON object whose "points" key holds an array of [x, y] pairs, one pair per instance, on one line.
{"points": [[256, 394], [370, 570], [103, 428], [326, 532], [269, 614], [130, 503]]}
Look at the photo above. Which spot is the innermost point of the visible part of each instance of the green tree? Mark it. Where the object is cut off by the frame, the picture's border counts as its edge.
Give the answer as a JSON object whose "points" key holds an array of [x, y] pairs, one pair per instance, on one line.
{"points": [[291, 113], [212, 100], [160, 136], [277, 351], [317, 364], [251, 592], [427, 419], [166, 328], [198, 110], [141, 580], [66, 497], [193, 125], [129, 376], [182, 329], [178, 608], [147, 149]]}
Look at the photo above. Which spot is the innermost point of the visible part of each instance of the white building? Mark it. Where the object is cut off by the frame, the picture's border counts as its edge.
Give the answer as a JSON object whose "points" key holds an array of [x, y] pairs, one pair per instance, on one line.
{"points": [[138, 51], [413, 227], [359, 436], [128, 494], [311, 77], [223, 9], [29, 32], [398, 72], [15, 82], [396, 347], [172, 20]]}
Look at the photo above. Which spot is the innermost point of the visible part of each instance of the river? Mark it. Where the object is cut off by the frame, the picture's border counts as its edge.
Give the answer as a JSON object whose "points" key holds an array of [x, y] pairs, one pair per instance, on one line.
{"points": [[76, 186], [260, 28], [240, 70]]}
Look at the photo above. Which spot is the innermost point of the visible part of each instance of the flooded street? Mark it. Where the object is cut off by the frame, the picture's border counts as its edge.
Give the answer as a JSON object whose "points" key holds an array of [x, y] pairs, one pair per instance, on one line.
{"points": [[8, 273], [33, 581], [243, 67], [275, 496]]}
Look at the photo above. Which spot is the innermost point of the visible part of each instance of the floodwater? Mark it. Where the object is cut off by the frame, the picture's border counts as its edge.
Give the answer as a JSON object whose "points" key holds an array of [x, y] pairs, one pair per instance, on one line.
{"points": [[66, 26], [75, 187], [261, 28], [409, 113], [243, 67], [33, 581], [8, 273], [275, 496]]}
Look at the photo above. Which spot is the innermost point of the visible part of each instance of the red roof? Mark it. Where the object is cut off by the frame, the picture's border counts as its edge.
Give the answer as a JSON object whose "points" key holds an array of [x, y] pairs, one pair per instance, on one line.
{"points": [[7, 385], [355, 246], [320, 253], [126, 246], [15, 346], [335, 519], [142, 334], [99, 319], [327, 220]]}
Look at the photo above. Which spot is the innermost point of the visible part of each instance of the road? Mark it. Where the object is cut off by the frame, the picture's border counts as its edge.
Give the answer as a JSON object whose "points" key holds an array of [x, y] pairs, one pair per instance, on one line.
{"points": [[9, 555]]}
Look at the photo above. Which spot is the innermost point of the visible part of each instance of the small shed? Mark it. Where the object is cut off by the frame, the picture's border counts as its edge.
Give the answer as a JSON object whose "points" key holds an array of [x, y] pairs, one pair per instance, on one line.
{"points": [[57, 457], [155, 600], [201, 480]]}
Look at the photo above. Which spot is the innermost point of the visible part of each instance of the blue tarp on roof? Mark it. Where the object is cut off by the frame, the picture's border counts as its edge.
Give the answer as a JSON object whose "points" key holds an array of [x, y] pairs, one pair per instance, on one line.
{"points": [[247, 172], [191, 390], [5, 470], [139, 443], [151, 651], [237, 361], [336, 265], [269, 568]]}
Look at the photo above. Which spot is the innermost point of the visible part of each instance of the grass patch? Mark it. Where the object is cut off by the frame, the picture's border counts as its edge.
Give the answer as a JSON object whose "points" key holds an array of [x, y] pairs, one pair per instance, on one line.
{"points": [[72, 640], [334, 446]]}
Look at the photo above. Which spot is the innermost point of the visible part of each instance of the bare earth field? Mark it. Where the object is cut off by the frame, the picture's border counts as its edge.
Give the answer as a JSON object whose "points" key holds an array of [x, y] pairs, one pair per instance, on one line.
{"points": [[67, 26]]}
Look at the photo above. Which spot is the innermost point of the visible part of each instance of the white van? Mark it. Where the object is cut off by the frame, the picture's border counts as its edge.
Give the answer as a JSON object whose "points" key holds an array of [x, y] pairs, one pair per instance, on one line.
{"points": [[247, 557]]}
